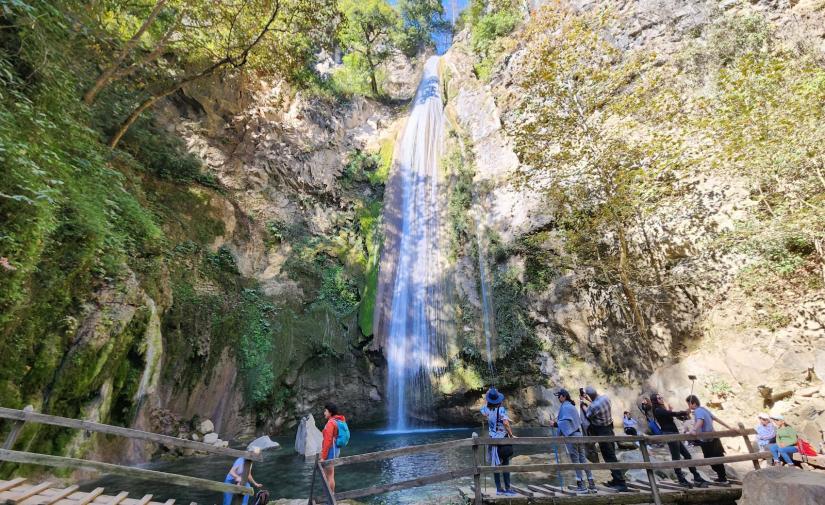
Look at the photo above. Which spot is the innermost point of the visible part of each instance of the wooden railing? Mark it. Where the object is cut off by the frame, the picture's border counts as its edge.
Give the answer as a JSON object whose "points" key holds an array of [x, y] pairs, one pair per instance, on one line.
{"points": [[20, 417], [478, 469]]}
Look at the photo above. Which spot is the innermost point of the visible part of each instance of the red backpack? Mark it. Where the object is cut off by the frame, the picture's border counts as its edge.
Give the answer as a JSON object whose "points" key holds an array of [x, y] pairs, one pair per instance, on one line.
{"points": [[805, 448]]}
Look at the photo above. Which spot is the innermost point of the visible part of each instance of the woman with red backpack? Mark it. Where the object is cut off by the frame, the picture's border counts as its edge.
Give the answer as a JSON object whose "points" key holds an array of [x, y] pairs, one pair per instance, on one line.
{"points": [[336, 435]]}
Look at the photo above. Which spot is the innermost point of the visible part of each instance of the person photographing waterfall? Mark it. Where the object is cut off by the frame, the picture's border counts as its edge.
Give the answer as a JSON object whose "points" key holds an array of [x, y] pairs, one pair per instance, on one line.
{"points": [[599, 413], [498, 426], [235, 476], [570, 425]]}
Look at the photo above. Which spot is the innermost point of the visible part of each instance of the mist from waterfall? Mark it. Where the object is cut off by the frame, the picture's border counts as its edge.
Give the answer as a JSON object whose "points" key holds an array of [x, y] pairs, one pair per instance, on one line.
{"points": [[415, 342]]}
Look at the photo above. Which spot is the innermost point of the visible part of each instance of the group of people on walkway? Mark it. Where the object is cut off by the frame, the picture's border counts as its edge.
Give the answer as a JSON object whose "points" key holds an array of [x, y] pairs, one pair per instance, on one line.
{"points": [[594, 417]]}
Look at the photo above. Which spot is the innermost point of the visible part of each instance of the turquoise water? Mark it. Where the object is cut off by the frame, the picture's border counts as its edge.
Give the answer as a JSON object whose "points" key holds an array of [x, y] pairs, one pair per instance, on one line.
{"points": [[286, 475]]}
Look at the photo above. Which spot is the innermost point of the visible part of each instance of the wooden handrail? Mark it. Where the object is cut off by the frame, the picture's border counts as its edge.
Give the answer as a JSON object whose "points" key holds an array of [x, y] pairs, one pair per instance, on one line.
{"points": [[401, 451], [138, 473], [65, 422]]}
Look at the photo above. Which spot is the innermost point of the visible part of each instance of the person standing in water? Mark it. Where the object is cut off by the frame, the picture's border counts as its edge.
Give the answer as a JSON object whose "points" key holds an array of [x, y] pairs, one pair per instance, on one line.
{"points": [[498, 423], [235, 476], [329, 448]]}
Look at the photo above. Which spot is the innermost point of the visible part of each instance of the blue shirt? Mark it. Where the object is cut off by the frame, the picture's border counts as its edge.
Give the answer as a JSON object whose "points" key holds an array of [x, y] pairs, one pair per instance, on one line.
{"points": [[706, 417], [495, 421], [569, 420], [237, 466]]}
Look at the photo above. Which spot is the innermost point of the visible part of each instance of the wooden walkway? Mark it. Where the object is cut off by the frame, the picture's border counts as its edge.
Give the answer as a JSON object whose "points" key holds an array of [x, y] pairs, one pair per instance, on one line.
{"points": [[640, 493], [18, 492]]}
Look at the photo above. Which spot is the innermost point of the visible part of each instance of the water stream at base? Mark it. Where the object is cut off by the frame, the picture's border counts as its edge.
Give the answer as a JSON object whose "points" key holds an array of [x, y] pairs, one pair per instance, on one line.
{"points": [[415, 339]]}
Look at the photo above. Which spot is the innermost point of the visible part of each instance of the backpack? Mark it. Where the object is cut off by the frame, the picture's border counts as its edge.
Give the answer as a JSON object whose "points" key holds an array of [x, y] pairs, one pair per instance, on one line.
{"points": [[343, 433], [261, 497], [654, 427], [805, 448]]}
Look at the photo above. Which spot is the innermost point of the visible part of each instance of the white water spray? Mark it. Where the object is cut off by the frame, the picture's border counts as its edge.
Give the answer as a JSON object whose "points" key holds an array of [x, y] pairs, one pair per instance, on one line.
{"points": [[416, 343]]}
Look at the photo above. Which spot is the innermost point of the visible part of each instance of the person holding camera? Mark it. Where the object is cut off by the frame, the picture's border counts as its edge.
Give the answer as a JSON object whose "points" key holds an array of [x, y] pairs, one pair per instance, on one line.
{"points": [[600, 415], [666, 420]]}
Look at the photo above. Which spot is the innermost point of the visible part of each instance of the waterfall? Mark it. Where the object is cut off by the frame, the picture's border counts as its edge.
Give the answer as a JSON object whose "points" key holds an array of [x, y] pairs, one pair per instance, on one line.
{"points": [[487, 319], [415, 326]]}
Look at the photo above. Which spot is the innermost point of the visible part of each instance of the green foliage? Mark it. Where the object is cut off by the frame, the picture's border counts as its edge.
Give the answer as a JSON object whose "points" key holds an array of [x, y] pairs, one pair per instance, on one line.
{"points": [[460, 172], [420, 19], [368, 30], [489, 24]]}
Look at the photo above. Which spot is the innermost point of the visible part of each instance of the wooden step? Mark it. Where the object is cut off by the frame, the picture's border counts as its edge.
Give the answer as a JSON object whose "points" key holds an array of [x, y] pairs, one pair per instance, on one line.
{"points": [[59, 494], [8, 485]]}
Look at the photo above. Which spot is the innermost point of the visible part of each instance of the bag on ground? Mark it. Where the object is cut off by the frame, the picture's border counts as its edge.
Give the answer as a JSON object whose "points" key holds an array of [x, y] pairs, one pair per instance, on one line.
{"points": [[261, 497], [805, 448], [343, 433]]}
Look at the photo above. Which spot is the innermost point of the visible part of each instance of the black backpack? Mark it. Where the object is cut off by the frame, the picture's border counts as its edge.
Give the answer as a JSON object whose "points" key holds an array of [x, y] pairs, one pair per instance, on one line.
{"points": [[261, 497]]}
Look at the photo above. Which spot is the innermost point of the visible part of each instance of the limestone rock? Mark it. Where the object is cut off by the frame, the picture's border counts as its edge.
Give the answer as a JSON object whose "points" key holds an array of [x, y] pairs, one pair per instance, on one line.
{"points": [[206, 427], [221, 443], [210, 438], [195, 437], [784, 485], [309, 438], [819, 365]]}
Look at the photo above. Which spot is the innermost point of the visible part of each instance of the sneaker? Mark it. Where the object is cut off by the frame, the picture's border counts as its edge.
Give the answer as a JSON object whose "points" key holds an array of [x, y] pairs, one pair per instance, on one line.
{"points": [[501, 492], [721, 481], [684, 482], [510, 492], [699, 481], [591, 486], [621, 487], [580, 487]]}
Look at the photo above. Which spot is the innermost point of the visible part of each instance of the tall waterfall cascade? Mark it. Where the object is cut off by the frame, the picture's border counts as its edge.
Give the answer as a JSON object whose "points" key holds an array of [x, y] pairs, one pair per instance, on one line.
{"points": [[413, 294]]}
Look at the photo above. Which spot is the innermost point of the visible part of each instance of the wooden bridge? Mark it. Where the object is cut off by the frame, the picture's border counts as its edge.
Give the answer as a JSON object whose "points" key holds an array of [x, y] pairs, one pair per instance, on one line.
{"points": [[650, 490], [18, 491]]}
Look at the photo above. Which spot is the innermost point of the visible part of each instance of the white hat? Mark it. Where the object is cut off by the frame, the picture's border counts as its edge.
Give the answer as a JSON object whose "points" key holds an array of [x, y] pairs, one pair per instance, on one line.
{"points": [[777, 417], [763, 415]]}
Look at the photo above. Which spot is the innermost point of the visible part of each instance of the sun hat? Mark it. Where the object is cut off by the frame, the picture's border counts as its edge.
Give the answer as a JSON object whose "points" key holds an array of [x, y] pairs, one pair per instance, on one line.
{"points": [[764, 415], [494, 397], [777, 417]]}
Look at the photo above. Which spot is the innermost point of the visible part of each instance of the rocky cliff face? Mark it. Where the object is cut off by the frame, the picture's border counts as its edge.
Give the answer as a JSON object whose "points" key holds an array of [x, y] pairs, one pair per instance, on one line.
{"points": [[702, 315]]}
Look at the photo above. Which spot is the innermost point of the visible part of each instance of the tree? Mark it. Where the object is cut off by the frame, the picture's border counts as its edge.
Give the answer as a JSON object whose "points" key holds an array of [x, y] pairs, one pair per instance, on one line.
{"points": [[420, 19], [119, 67], [229, 35], [367, 31]]}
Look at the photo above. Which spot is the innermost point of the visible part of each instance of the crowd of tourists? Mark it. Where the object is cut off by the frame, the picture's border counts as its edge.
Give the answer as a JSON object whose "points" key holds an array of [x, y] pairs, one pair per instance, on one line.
{"points": [[593, 416]]}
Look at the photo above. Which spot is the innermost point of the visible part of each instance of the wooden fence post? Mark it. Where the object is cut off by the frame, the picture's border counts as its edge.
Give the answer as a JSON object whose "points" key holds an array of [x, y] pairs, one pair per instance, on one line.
{"points": [[16, 428], [329, 493], [651, 475], [476, 471], [749, 445], [312, 480]]}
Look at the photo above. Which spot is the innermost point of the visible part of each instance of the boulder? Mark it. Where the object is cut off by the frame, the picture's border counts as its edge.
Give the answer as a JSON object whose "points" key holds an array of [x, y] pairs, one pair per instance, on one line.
{"points": [[206, 427], [210, 438], [221, 443], [308, 439], [196, 437], [788, 486]]}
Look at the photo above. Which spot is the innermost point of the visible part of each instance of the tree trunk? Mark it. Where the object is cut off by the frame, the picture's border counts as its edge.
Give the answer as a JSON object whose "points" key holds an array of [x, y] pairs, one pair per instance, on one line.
{"points": [[624, 276], [106, 76]]}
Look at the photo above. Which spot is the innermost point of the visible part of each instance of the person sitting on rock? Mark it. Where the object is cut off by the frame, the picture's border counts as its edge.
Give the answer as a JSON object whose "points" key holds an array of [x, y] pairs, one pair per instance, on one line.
{"points": [[666, 420], [235, 476], [630, 425], [786, 439], [765, 432]]}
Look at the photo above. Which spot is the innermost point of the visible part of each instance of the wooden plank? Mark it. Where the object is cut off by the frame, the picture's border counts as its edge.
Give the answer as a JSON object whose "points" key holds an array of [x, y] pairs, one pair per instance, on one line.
{"points": [[656, 439], [557, 489], [31, 492], [521, 491], [138, 473], [169, 502], [90, 497], [78, 424], [476, 474], [401, 451], [406, 484], [119, 498], [748, 444], [60, 494], [315, 468], [11, 483], [143, 501], [538, 489]]}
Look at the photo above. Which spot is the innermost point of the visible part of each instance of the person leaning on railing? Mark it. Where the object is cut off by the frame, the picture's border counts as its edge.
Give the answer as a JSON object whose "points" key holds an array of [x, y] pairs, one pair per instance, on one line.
{"points": [[600, 415], [703, 423]]}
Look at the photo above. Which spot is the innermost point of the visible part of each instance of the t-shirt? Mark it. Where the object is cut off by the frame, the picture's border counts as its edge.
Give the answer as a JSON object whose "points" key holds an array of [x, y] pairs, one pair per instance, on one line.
{"points": [[495, 421], [786, 436], [706, 417], [569, 421], [237, 466], [629, 423]]}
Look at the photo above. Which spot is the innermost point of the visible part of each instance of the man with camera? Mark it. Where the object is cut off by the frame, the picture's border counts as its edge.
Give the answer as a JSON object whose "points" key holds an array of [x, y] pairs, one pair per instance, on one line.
{"points": [[600, 416]]}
